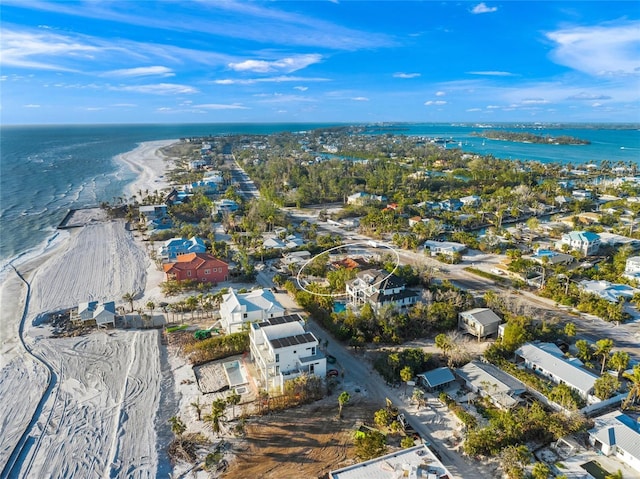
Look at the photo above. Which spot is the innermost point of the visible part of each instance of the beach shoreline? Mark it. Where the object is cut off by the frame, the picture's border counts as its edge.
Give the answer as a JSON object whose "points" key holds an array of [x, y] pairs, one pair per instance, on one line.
{"points": [[103, 262], [149, 164]]}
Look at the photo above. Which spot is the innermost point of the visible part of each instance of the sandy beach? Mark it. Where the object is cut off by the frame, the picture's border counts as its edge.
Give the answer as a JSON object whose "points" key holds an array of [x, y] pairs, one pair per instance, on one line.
{"points": [[84, 406]]}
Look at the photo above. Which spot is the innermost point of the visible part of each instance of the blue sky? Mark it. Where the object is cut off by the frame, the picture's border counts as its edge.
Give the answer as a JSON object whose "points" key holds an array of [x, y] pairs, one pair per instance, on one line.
{"points": [[319, 61]]}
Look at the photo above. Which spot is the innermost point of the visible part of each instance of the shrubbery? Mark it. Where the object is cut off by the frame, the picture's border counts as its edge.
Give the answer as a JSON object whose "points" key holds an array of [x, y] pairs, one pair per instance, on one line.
{"points": [[217, 347]]}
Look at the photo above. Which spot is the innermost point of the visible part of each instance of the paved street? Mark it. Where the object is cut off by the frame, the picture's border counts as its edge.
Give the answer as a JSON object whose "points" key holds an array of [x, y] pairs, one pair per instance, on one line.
{"points": [[434, 423], [625, 336]]}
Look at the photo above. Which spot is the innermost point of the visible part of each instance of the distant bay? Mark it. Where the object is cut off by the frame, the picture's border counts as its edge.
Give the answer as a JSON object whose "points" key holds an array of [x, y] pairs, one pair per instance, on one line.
{"points": [[46, 170]]}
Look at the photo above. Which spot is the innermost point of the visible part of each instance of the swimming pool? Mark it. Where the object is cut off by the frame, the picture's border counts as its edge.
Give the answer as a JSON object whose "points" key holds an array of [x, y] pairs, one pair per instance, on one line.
{"points": [[339, 307], [235, 373]]}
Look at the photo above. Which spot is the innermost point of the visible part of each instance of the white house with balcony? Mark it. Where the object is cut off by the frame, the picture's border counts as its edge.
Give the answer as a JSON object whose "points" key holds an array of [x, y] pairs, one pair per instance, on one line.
{"points": [[282, 350], [549, 361], [586, 242], [237, 310], [173, 247], [378, 289]]}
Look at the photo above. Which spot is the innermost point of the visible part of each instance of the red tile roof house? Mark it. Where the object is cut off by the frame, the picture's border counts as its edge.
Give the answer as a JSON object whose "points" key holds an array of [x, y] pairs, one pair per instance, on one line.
{"points": [[198, 267]]}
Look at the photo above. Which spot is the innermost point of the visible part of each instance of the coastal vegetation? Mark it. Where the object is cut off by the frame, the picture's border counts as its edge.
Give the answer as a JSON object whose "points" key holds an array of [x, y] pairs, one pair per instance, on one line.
{"points": [[526, 137]]}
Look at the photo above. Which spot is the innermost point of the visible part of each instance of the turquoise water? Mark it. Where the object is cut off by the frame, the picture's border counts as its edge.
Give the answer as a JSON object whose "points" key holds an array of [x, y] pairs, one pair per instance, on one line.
{"points": [[339, 307], [46, 170]]}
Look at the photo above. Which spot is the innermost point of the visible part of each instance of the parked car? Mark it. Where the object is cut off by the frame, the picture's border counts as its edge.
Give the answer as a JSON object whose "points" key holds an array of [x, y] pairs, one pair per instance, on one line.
{"points": [[332, 373], [331, 359]]}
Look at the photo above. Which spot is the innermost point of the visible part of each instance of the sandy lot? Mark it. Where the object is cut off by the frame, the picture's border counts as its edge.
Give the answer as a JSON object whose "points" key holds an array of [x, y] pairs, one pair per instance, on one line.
{"points": [[308, 441]]}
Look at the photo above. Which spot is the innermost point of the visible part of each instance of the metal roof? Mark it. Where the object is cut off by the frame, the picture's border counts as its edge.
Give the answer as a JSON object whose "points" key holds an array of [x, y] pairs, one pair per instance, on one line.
{"points": [[437, 377], [558, 366], [620, 430]]}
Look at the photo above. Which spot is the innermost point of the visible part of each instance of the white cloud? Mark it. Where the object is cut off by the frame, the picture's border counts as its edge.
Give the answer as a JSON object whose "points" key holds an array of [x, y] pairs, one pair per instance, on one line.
{"points": [[278, 79], [473, 109], [483, 8], [440, 93], [38, 50], [360, 98], [492, 73], [596, 105], [604, 50], [301, 88], [406, 75], [31, 105], [287, 65], [493, 107], [588, 96], [435, 102], [281, 98], [158, 89], [221, 106], [124, 105], [534, 101], [141, 71]]}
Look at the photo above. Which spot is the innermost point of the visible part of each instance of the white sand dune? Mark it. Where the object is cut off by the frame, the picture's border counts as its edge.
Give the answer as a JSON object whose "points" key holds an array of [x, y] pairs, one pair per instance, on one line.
{"points": [[100, 415]]}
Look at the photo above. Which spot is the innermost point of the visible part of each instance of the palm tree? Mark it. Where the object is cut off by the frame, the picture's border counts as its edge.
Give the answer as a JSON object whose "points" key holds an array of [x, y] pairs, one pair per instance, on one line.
{"points": [[234, 399], [570, 329], [192, 304], [619, 361], [634, 386], [151, 306], [198, 407], [406, 374], [603, 348], [217, 416], [129, 297], [342, 400]]}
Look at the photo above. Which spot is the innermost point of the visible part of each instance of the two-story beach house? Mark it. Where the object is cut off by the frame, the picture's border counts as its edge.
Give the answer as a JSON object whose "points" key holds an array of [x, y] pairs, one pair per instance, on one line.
{"points": [[481, 322], [198, 267], [549, 361], [282, 350], [378, 289], [237, 310], [155, 217], [586, 242], [174, 247], [224, 206]]}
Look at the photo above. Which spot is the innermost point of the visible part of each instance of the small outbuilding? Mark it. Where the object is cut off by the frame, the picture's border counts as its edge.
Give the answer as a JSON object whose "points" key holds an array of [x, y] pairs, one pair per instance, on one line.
{"points": [[436, 379]]}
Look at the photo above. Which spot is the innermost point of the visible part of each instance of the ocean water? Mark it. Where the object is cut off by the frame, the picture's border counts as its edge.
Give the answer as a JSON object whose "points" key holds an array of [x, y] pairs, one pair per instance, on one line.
{"points": [[46, 170]]}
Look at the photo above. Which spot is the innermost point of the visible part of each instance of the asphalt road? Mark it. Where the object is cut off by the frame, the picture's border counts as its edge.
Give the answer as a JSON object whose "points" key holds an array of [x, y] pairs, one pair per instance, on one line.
{"points": [[357, 371], [626, 336]]}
